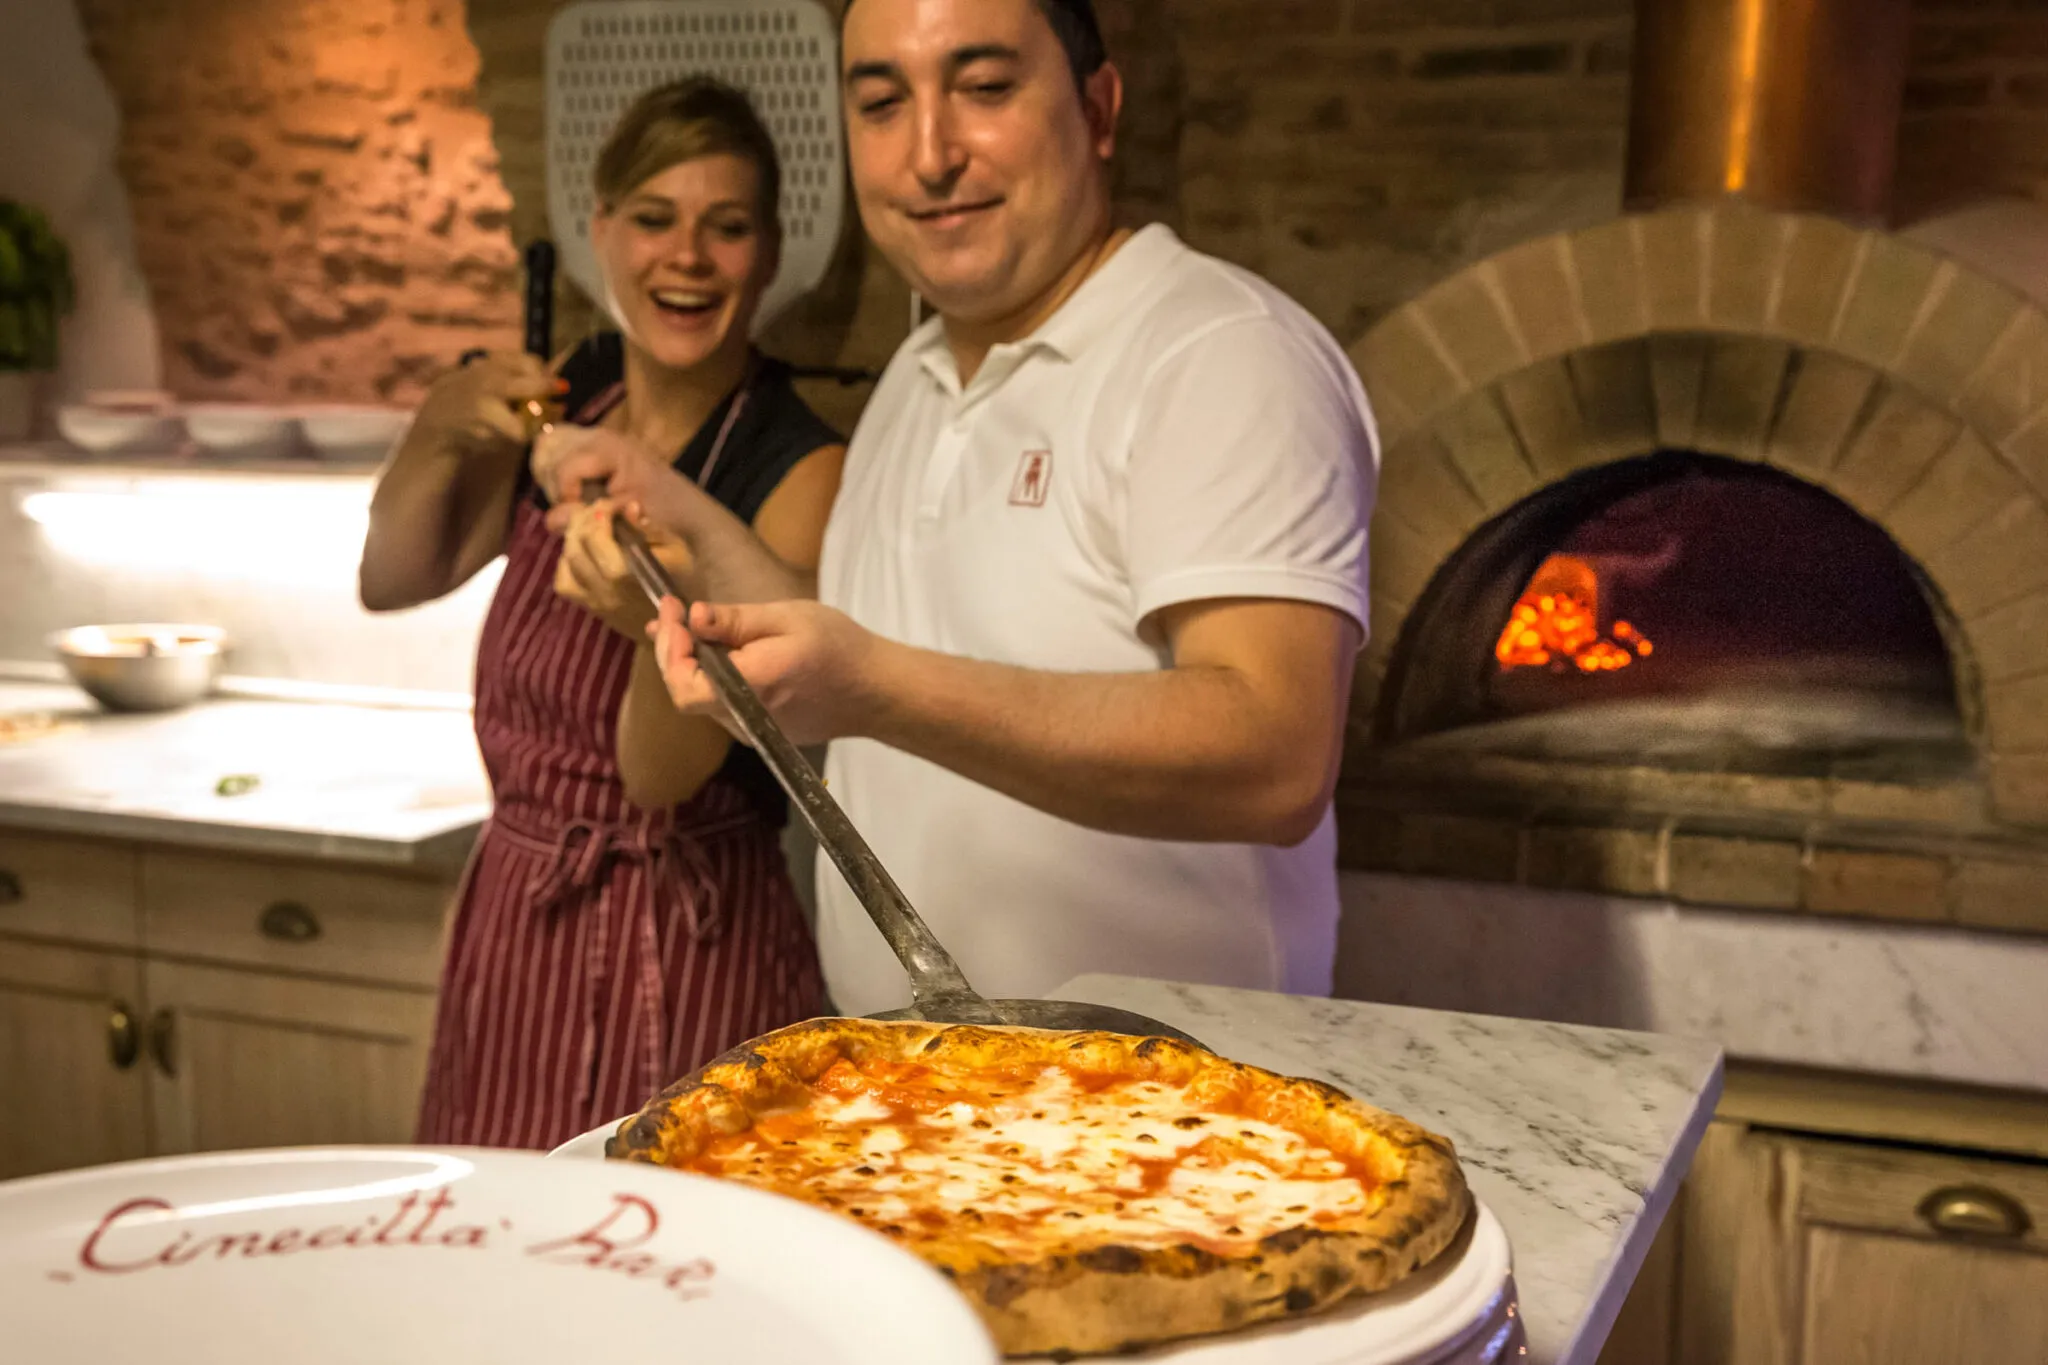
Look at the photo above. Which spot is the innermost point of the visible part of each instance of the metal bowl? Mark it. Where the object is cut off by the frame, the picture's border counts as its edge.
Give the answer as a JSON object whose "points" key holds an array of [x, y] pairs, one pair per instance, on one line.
{"points": [[143, 667]]}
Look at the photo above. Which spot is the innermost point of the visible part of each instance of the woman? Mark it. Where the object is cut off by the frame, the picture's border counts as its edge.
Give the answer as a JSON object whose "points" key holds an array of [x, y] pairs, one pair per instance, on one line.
{"points": [[627, 913]]}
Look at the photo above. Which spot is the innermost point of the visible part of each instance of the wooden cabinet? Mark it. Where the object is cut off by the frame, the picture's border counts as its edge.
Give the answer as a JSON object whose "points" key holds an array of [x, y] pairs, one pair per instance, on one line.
{"points": [[72, 1090], [304, 919], [1903, 1257], [157, 1001], [77, 891], [1846, 1247], [244, 1059]]}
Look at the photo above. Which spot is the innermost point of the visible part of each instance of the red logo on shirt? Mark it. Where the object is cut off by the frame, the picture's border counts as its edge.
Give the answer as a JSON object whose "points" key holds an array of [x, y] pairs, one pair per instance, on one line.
{"points": [[1034, 476]]}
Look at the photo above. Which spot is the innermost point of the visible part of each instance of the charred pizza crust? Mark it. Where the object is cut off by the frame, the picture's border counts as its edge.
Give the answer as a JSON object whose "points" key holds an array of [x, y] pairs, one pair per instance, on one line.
{"points": [[1072, 1297]]}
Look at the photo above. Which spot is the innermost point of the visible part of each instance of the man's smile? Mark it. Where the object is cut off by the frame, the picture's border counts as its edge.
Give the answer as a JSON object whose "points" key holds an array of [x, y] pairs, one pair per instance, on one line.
{"points": [[950, 215]]}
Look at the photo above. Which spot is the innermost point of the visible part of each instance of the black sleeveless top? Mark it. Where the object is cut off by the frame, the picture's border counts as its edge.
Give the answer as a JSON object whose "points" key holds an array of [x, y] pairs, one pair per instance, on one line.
{"points": [[774, 431]]}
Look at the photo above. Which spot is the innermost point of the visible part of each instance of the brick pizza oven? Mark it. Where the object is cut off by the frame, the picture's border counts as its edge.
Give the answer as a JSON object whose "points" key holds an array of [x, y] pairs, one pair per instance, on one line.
{"points": [[1711, 556]]}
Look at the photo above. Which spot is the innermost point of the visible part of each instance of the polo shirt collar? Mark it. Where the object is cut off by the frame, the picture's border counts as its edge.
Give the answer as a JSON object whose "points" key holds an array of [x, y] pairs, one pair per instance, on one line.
{"points": [[1105, 297], [1102, 299]]}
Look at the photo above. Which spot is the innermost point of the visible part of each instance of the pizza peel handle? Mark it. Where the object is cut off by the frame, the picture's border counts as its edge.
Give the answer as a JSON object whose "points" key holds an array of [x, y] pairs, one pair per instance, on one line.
{"points": [[938, 988], [936, 981]]}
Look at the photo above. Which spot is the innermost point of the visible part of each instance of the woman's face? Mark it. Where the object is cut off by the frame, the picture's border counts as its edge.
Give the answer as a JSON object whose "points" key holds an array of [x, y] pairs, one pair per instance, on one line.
{"points": [[687, 257]]}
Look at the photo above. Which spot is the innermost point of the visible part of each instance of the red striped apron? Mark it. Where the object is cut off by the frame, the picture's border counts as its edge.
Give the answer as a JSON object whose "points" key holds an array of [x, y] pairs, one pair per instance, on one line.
{"points": [[598, 951]]}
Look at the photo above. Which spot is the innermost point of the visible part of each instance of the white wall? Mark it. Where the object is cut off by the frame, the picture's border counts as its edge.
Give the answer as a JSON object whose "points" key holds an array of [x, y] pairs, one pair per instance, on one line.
{"points": [[271, 561], [58, 134]]}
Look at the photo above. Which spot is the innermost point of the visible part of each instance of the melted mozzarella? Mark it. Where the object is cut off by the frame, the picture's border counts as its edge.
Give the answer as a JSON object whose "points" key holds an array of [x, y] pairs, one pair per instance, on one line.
{"points": [[1135, 1164]]}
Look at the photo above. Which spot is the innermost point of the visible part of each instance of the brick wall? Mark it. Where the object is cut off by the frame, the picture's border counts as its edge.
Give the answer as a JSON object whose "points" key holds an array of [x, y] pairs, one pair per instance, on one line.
{"points": [[1354, 151], [317, 203], [1976, 119], [322, 208]]}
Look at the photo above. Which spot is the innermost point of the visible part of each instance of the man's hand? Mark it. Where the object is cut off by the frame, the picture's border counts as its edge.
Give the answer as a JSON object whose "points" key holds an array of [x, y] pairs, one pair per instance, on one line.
{"points": [[813, 667], [592, 571], [566, 457]]}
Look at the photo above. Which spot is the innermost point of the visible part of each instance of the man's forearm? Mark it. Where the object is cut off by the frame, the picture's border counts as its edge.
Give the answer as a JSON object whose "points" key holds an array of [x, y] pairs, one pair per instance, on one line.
{"points": [[729, 563], [1184, 753]]}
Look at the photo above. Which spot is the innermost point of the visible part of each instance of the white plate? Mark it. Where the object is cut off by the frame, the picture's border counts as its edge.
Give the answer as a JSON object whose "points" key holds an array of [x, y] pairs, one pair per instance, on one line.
{"points": [[1459, 1307], [411, 1257], [246, 430], [591, 1144], [342, 431], [98, 429]]}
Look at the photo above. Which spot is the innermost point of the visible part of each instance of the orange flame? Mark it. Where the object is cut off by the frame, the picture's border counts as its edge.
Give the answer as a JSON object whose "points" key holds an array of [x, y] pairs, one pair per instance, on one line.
{"points": [[1556, 622]]}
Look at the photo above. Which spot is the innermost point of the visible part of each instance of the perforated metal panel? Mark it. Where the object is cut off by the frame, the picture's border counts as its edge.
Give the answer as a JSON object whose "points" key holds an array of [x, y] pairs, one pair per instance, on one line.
{"points": [[603, 54]]}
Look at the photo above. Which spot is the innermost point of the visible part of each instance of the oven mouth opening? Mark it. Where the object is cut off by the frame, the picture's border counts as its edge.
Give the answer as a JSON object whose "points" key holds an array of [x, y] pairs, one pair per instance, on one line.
{"points": [[1686, 611]]}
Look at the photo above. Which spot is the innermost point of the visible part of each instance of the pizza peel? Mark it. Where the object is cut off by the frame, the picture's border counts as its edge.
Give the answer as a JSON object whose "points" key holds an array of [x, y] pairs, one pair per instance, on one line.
{"points": [[939, 991]]}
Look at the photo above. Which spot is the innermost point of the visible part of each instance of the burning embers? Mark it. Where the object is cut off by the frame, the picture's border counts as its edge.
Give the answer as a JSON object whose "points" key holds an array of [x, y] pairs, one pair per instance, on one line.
{"points": [[1743, 577], [1556, 624]]}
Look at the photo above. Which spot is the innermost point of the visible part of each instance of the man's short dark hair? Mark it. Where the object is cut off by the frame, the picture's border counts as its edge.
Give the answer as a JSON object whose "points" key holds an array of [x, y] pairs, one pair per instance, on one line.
{"points": [[1073, 23]]}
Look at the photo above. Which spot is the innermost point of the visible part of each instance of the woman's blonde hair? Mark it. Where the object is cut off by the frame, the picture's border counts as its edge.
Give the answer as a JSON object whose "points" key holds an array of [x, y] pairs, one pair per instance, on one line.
{"points": [[693, 117]]}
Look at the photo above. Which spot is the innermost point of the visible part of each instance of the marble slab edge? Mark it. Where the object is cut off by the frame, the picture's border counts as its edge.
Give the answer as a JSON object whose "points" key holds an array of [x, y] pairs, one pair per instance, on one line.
{"points": [[1634, 1247], [441, 851]]}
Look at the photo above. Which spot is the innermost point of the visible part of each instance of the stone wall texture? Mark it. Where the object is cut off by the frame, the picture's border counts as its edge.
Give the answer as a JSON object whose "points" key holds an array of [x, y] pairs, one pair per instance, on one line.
{"points": [[328, 192], [317, 200]]}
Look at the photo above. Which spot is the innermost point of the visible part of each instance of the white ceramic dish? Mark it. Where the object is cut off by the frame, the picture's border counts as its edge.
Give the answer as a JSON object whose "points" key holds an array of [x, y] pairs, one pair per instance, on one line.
{"points": [[243, 429], [104, 430], [412, 1257], [1461, 1308], [343, 431], [590, 1145]]}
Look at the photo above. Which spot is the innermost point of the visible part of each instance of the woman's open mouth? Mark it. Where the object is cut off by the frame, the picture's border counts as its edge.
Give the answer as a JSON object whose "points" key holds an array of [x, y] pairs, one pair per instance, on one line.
{"points": [[687, 305]]}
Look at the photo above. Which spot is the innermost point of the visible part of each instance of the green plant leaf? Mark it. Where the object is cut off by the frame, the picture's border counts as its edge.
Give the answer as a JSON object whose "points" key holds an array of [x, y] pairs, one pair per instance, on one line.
{"points": [[33, 259], [42, 335], [13, 341], [36, 288]]}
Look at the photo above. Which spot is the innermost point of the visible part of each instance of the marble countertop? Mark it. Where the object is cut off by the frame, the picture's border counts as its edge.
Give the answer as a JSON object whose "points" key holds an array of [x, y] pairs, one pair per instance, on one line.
{"points": [[379, 785], [1935, 1002], [1576, 1138]]}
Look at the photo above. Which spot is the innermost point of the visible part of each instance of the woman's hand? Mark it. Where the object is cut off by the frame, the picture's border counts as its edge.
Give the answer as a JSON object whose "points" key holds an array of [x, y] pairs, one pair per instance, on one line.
{"points": [[477, 408], [592, 571]]}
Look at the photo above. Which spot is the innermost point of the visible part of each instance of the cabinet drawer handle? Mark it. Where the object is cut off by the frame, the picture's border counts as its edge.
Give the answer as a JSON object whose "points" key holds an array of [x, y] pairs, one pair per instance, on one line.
{"points": [[1974, 1211], [10, 888], [124, 1039], [288, 922], [163, 1041]]}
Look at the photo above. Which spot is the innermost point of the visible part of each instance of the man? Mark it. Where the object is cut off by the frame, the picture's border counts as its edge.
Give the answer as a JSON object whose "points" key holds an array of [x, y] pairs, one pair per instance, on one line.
{"points": [[1095, 579]]}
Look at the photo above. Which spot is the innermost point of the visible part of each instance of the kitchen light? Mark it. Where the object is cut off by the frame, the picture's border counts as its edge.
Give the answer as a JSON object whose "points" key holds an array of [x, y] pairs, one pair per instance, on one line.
{"points": [[271, 528]]}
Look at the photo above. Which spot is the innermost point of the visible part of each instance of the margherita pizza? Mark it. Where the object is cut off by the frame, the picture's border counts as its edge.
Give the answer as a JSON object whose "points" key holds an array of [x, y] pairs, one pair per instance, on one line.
{"points": [[1088, 1192]]}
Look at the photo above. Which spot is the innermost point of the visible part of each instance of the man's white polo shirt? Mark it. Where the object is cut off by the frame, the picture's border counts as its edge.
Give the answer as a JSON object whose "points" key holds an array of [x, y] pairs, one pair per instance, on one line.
{"points": [[1179, 431]]}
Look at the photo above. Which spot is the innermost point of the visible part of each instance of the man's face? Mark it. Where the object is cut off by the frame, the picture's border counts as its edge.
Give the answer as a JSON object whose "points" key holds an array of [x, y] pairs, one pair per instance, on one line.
{"points": [[977, 166]]}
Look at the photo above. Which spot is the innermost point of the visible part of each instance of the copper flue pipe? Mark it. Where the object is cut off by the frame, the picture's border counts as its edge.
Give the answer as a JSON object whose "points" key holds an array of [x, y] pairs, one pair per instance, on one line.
{"points": [[1791, 103]]}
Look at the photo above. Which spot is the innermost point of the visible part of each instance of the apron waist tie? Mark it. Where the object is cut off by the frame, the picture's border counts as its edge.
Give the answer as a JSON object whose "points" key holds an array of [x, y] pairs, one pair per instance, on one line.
{"points": [[579, 858], [580, 854]]}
